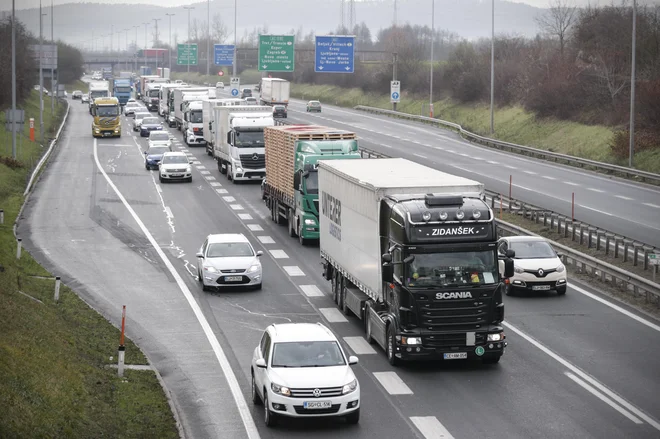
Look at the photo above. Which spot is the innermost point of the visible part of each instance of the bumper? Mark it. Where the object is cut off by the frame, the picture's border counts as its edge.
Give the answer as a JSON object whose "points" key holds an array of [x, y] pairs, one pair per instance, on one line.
{"points": [[294, 407], [219, 281], [453, 346], [145, 132], [193, 139], [106, 133], [175, 176], [152, 106], [535, 285]]}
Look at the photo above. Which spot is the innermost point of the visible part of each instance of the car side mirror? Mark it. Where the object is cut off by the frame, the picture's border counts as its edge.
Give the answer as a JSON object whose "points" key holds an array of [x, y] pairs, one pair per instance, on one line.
{"points": [[260, 253], [200, 254], [296, 180], [261, 363], [352, 359], [508, 268], [560, 256]]}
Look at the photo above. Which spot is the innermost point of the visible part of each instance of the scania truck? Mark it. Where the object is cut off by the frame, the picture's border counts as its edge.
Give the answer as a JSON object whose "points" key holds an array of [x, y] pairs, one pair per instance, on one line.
{"points": [[238, 146], [291, 189], [412, 252]]}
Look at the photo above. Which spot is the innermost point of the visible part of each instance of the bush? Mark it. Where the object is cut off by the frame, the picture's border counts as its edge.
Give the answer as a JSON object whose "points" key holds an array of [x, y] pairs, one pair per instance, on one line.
{"points": [[644, 140], [11, 162]]}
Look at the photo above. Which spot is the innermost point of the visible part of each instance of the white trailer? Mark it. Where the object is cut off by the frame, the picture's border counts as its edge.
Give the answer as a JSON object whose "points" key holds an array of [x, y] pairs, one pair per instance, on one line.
{"points": [[164, 96], [187, 94], [208, 115], [275, 91], [239, 140]]}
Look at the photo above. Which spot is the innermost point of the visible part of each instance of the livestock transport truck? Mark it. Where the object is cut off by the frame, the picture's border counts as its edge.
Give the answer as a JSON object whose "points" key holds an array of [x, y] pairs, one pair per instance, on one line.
{"points": [[291, 186], [412, 252]]}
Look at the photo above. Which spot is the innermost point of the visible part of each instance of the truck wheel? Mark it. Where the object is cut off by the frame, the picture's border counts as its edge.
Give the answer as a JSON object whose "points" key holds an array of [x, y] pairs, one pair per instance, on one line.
{"points": [[391, 343], [302, 240], [292, 226]]}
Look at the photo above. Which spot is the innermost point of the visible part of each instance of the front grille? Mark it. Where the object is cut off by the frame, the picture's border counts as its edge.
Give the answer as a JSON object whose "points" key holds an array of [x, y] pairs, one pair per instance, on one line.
{"points": [[545, 272], [177, 170], [244, 280], [445, 341], [326, 392], [232, 271], [303, 411], [457, 314], [249, 162]]}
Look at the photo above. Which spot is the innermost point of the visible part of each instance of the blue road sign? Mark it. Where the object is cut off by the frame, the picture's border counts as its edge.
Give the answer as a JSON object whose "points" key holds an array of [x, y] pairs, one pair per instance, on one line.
{"points": [[223, 54], [334, 54], [395, 95], [234, 92]]}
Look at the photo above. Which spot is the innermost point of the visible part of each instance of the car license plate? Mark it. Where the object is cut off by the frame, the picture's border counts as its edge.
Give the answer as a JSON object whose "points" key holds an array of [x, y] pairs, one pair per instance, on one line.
{"points": [[313, 405], [175, 175], [540, 287], [233, 278], [455, 356]]}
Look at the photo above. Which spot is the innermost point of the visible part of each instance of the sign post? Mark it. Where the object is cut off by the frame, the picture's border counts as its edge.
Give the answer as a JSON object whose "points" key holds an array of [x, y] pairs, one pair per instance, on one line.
{"points": [[395, 93], [276, 53], [32, 129], [234, 84], [223, 54], [186, 54], [334, 54]]}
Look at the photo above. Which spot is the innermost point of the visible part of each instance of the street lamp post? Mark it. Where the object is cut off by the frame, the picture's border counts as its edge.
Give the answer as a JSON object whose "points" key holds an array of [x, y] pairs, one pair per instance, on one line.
{"points": [[632, 87], [492, 69], [41, 76], [53, 84], [156, 20], [13, 78], [189, 8], [235, 48], [136, 46], [145, 43], [208, 35], [432, 43], [169, 52], [128, 29]]}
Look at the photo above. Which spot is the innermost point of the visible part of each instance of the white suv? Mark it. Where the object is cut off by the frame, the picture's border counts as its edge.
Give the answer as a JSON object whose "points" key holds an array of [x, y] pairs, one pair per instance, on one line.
{"points": [[300, 370]]}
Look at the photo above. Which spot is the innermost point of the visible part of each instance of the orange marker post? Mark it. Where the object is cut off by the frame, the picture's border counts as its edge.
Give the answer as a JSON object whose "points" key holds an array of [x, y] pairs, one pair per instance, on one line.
{"points": [[32, 129]]}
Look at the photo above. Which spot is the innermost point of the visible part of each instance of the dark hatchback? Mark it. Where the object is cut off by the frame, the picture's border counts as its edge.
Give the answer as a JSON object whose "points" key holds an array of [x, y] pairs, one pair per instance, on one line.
{"points": [[279, 111], [150, 124]]}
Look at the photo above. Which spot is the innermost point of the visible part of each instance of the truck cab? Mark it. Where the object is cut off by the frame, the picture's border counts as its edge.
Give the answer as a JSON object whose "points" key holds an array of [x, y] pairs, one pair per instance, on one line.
{"points": [[121, 89], [97, 90], [151, 96], [106, 120], [193, 123]]}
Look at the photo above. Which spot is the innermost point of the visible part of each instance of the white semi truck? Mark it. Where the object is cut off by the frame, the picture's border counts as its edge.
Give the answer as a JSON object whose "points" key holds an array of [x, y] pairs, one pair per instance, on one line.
{"points": [[181, 95], [207, 118], [239, 145], [274, 91], [163, 98], [193, 125]]}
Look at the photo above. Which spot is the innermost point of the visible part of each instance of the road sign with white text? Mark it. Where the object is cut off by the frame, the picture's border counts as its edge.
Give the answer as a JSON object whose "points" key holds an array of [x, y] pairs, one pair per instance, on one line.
{"points": [[276, 53], [395, 91], [654, 259], [186, 54], [48, 54], [234, 84], [334, 54], [223, 54]]}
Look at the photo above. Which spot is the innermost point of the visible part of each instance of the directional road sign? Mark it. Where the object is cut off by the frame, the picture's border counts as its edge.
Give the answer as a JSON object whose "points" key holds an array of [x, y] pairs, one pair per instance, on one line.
{"points": [[276, 53], [186, 54], [334, 54], [223, 54], [234, 84], [395, 91]]}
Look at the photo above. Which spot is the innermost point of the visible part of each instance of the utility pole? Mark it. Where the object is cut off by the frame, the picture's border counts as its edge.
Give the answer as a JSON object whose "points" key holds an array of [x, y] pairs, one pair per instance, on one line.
{"points": [[156, 20], [145, 42], [189, 8], [169, 52], [112, 34], [41, 75], [208, 35], [492, 70], [136, 27], [235, 39], [128, 29], [632, 86], [53, 83], [394, 13], [13, 77], [432, 41], [394, 66]]}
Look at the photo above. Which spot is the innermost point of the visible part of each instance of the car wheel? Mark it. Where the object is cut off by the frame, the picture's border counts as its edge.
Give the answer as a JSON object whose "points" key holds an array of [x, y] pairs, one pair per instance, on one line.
{"points": [[258, 286], [354, 417], [160, 178], [491, 360], [394, 361], [561, 290], [508, 290], [256, 399], [269, 417], [147, 168], [189, 180]]}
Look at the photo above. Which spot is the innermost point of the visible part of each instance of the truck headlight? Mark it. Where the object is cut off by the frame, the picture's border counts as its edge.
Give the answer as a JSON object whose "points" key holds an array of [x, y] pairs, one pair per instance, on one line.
{"points": [[349, 388], [282, 390], [496, 337], [411, 340], [310, 222]]}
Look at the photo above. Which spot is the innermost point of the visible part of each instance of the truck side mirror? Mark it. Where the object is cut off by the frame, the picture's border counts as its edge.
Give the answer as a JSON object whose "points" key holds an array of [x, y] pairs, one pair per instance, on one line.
{"points": [[229, 138], [386, 258], [296, 180], [508, 268], [211, 126], [185, 116]]}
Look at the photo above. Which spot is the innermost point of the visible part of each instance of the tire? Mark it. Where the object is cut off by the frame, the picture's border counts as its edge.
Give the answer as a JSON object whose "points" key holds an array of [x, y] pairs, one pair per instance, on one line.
{"points": [[353, 418], [256, 399], [160, 179], [340, 298], [291, 224], [302, 240], [508, 290], [561, 290], [148, 168], [491, 360], [393, 360], [270, 419], [258, 287]]}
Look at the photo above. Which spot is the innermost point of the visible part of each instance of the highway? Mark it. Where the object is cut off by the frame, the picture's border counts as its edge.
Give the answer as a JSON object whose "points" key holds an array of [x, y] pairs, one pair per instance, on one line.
{"points": [[575, 367]]}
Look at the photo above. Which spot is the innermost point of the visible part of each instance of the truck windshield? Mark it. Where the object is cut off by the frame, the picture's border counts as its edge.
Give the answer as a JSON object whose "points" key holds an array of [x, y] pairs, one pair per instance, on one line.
{"points": [[312, 183], [124, 89], [249, 139], [106, 111], [98, 94], [153, 93], [196, 116], [452, 269]]}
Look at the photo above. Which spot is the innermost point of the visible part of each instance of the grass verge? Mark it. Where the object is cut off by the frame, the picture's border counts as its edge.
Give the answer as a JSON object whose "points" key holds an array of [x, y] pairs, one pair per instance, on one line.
{"points": [[54, 379], [76, 85], [512, 124]]}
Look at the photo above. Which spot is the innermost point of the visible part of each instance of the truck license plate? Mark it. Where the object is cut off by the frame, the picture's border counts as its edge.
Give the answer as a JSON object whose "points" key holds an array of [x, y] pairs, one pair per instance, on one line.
{"points": [[312, 405], [456, 356], [540, 287], [233, 278]]}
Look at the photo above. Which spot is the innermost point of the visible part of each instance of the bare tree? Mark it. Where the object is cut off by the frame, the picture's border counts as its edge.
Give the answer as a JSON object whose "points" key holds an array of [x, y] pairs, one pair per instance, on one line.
{"points": [[557, 21], [219, 30]]}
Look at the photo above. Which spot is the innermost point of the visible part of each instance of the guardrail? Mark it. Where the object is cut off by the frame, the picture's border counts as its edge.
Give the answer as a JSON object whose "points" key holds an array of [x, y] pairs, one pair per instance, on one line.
{"points": [[606, 168]]}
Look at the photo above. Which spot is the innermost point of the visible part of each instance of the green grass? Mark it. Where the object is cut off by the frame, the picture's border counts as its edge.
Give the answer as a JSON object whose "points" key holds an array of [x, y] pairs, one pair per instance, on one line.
{"points": [[54, 379], [247, 77], [512, 124], [77, 85]]}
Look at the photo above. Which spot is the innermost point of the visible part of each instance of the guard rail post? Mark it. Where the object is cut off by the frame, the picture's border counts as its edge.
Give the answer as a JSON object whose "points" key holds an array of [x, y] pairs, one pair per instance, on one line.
{"points": [[599, 235], [617, 243], [626, 247], [636, 248]]}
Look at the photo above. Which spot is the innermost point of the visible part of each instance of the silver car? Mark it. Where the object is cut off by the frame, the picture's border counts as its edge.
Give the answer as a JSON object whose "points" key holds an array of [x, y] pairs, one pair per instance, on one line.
{"points": [[228, 259], [137, 122]]}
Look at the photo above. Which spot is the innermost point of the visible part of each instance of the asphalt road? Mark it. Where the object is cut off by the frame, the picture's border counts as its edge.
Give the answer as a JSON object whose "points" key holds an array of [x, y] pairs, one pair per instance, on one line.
{"points": [[575, 367]]}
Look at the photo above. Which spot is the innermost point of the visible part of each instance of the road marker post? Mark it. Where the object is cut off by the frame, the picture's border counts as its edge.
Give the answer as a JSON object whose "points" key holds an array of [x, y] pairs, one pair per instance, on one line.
{"points": [[573, 206], [510, 190], [19, 243], [122, 348], [501, 206], [57, 288], [2, 216]]}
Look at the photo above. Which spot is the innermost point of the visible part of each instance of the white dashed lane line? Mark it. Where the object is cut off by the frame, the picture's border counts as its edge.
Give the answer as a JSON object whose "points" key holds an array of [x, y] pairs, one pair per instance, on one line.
{"points": [[279, 254], [359, 345], [221, 191], [209, 177], [549, 178], [595, 190], [333, 315], [311, 291], [245, 216], [293, 270], [651, 205], [255, 227], [430, 427], [205, 172], [200, 167], [623, 197], [236, 206], [215, 184], [266, 239], [392, 383], [229, 199]]}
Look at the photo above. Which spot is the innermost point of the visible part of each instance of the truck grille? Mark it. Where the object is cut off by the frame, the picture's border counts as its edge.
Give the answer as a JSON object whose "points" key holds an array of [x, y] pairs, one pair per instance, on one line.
{"points": [[253, 161], [458, 314], [309, 393]]}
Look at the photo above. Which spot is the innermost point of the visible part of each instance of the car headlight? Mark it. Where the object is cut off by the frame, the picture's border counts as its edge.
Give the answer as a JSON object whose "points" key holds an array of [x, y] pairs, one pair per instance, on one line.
{"points": [[561, 268], [254, 268], [188, 169], [310, 222], [350, 387], [496, 337], [411, 340], [282, 390], [210, 269], [518, 270]]}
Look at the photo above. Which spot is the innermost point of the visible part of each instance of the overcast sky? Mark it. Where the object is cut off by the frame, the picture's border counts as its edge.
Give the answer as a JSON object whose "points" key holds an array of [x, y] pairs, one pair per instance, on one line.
{"points": [[23, 4]]}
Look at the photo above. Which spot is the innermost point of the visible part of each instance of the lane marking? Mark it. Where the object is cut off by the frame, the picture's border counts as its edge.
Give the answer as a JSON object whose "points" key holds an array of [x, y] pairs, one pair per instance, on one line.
{"points": [[229, 199], [616, 308], [245, 216], [311, 291], [392, 383], [549, 178], [570, 183], [205, 172], [595, 190], [420, 156], [293, 270], [623, 197], [651, 205], [359, 345], [168, 212], [215, 184], [530, 172], [507, 166], [493, 162], [604, 398], [586, 377], [430, 427], [255, 227], [200, 167], [209, 177], [196, 162], [332, 315], [221, 191], [234, 387], [236, 206], [159, 189], [278, 254], [266, 239]]}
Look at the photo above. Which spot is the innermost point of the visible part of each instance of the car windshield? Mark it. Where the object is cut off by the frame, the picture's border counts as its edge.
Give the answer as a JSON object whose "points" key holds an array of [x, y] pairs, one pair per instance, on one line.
{"points": [[307, 354], [158, 150], [451, 269], [532, 250], [105, 111], [159, 136], [247, 139], [312, 183], [229, 250], [139, 116], [150, 121], [314, 104], [279, 107], [175, 159], [196, 116]]}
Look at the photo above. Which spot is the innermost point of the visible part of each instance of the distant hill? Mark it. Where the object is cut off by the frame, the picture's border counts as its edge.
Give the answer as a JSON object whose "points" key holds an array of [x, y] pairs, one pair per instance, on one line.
{"points": [[77, 22]]}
